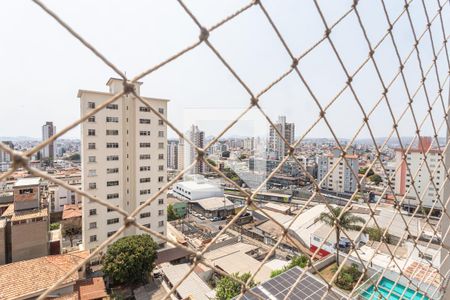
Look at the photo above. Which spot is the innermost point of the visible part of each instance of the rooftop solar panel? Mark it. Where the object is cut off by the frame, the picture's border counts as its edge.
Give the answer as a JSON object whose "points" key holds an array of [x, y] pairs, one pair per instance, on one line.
{"points": [[309, 287]]}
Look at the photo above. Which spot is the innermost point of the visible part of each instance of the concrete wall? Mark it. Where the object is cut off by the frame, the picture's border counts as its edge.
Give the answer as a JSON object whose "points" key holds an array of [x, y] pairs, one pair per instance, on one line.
{"points": [[2, 242], [29, 240]]}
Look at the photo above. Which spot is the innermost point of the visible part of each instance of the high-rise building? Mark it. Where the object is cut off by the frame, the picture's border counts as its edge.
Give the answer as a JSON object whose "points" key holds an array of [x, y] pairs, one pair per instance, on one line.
{"points": [[175, 154], [277, 147], [48, 152], [422, 194], [198, 138], [343, 178], [5, 157], [123, 154]]}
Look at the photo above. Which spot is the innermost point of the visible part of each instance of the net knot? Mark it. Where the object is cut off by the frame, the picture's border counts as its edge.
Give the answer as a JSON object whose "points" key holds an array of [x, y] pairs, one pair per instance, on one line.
{"points": [[204, 34]]}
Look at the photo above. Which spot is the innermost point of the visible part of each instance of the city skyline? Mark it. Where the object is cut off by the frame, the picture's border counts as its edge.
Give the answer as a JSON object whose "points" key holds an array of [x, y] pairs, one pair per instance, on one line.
{"points": [[57, 64]]}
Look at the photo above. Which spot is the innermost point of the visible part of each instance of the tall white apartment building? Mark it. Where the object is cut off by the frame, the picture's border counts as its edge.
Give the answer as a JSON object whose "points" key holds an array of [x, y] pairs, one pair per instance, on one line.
{"points": [[175, 154], [48, 130], [123, 162], [343, 179], [198, 138], [277, 147], [425, 190]]}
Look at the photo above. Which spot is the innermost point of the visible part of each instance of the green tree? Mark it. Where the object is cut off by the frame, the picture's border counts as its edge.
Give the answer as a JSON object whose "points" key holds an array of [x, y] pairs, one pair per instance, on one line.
{"points": [[375, 178], [227, 288], [376, 234], [130, 259], [171, 214], [300, 261], [345, 221], [363, 171], [75, 156], [71, 230], [212, 162], [54, 226]]}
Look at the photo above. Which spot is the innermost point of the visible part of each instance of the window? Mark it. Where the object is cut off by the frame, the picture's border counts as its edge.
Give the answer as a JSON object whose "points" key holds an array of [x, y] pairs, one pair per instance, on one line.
{"points": [[145, 215], [112, 170], [144, 108], [161, 179], [160, 156], [91, 132], [112, 132], [147, 225], [144, 156], [111, 233], [91, 105], [112, 183], [93, 238], [143, 180], [92, 173], [112, 119], [92, 159], [92, 185], [91, 146], [160, 133], [160, 201], [144, 168], [160, 168], [92, 225], [92, 212], [26, 191], [144, 132], [145, 192], [112, 145], [161, 110], [160, 145], [160, 212], [112, 157], [91, 119], [144, 121], [112, 221], [144, 145], [161, 223], [160, 122], [112, 196], [112, 106]]}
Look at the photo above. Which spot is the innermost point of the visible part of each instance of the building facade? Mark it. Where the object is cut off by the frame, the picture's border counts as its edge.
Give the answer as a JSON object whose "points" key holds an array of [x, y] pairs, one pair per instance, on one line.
{"points": [[343, 178], [124, 149], [277, 147], [175, 154], [5, 158], [48, 152], [198, 138], [424, 194]]}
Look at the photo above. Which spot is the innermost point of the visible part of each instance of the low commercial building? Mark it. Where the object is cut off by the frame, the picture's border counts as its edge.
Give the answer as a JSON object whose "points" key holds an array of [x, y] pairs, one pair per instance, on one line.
{"points": [[213, 207], [179, 206], [196, 187]]}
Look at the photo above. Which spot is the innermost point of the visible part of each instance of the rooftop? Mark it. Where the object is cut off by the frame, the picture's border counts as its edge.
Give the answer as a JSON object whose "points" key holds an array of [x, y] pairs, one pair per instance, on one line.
{"points": [[193, 287], [214, 203], [22, 182], [36, 275], [24, 214], [72, 211]]}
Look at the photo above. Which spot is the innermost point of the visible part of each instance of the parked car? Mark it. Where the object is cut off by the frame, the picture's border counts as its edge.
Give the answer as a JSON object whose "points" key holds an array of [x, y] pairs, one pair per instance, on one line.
{"points": [[214, 219], [202, 218]]}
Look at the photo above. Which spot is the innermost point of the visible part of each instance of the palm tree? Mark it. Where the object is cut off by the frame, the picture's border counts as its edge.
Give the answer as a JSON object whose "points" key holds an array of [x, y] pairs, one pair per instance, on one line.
{"points": [[346, 221]]}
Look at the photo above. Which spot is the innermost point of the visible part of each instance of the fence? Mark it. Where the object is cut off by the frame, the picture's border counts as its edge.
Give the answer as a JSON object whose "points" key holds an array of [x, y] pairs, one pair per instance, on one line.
{"points": [[432, 32]]}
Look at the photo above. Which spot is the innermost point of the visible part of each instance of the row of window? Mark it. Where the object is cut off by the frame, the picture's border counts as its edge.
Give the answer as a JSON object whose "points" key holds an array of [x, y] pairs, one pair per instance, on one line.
{"points": [[93, 159], [91, 119], [116, 107], [93, 211]]}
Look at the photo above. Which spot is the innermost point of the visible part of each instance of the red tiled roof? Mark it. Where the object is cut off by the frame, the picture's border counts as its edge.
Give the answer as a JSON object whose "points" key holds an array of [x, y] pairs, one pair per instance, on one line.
{"points": [[71, 211]]}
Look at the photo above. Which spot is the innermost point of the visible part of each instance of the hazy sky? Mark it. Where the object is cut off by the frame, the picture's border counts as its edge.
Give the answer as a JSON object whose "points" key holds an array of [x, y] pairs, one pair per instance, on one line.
{"points": [[43, 66]]}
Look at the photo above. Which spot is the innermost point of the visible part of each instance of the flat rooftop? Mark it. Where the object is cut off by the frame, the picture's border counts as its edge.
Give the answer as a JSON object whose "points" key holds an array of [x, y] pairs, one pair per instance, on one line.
{"points": [[22, 182]]}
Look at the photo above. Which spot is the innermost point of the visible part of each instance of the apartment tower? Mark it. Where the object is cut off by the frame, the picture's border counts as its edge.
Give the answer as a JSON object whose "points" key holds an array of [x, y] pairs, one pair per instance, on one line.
{"points": [[277, 147], [198, 138], [123, 162], [48, 130]]}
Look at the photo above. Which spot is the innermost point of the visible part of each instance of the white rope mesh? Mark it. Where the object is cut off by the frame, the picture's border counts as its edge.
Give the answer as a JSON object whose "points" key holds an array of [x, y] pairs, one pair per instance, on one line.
{"points": [[437, 99]]}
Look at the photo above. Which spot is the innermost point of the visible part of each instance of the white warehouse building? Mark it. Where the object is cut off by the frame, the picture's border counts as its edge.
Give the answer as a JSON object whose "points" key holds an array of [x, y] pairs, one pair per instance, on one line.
{"points": [[196, 187]]}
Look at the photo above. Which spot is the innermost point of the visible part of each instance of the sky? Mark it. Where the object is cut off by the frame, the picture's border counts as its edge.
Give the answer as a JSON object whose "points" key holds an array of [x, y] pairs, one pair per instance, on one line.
{"points": [[43, 66]]}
